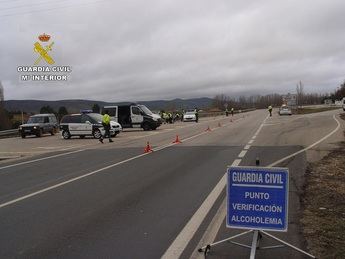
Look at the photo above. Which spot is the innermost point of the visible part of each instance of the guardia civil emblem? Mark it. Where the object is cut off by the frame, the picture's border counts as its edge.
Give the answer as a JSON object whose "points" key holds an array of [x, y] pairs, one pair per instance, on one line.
{"points": [[43, 50]]}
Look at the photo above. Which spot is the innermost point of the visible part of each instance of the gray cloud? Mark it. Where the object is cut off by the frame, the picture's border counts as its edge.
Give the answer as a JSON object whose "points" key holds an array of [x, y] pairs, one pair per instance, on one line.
{"points": [[145, 50]]}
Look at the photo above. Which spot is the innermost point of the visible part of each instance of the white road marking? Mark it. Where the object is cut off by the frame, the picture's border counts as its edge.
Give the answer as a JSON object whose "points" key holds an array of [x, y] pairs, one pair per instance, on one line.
{"points": [[251, 141], [81, 176], [212, 230], [247, 147], [68, 181], [40, 159], [217, 221], [236, 162], [309, 147], [181, 241], [254, 137], [242, 154], [177, 247]]}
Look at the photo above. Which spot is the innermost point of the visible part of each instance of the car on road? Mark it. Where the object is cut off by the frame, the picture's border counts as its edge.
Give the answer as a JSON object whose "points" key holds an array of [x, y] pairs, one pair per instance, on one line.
{"points": [[189, 116], [86, 124], [39, 124], [285, 110]]}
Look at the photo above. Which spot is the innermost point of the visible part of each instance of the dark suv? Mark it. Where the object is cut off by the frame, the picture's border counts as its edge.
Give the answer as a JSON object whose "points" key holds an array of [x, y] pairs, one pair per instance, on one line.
{"points": [[39, 124]]}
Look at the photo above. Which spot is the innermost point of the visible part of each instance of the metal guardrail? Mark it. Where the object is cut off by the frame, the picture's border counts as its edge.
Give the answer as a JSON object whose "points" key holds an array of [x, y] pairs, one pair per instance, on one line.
{"points": [[218, 113], [8, 132]]}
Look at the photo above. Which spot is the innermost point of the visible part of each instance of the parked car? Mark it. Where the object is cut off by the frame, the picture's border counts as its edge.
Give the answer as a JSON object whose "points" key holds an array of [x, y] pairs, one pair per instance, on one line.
{"points": [[39, 124], [134, 116], [86, 124], [189, 116], [285, 110]]}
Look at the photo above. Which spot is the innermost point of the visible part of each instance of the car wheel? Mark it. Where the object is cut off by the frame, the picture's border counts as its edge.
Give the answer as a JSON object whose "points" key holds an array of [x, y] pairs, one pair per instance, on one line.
{"points": [[146, 126], [82, 136], [66, 134], [97, 133], [23, 135], [40, 133]]}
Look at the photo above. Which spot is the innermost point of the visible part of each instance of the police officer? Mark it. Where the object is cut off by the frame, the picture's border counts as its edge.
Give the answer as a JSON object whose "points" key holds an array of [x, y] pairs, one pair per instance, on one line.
{"points": [[196, 114], [232, 111], [270, 110], [106, 125], [226, 112]]}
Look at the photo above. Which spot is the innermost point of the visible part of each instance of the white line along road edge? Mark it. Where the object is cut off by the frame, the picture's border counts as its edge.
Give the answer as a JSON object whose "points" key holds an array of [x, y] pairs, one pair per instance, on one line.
{"points": [[181, 241]]}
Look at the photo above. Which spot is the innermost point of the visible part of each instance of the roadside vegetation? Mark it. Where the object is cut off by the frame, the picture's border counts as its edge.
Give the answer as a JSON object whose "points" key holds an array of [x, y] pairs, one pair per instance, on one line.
{"points": [[324, 205], [307, 110]]}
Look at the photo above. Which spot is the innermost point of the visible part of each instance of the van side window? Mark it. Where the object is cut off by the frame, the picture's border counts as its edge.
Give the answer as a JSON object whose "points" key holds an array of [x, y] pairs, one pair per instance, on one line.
{"points": [[46, 119], [136, 110], [111, 111]]}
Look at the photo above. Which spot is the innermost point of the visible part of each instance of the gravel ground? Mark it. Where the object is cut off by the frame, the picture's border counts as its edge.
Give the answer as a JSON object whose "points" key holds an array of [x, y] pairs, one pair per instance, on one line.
{"points": [[324, 205]]}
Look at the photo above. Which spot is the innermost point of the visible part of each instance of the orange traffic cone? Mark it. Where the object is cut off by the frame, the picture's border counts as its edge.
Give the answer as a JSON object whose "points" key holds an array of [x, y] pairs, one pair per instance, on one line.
{"points": [[177, 140], [148, 148], [208, 128]]}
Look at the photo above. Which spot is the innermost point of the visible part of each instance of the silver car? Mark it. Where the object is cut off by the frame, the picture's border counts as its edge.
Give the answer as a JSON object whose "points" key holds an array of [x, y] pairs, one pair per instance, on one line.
{"points": [[284, 110]]}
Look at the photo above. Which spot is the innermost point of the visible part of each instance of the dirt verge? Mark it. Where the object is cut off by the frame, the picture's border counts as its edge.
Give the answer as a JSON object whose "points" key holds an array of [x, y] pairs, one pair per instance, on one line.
{"points": [[323, 218]]}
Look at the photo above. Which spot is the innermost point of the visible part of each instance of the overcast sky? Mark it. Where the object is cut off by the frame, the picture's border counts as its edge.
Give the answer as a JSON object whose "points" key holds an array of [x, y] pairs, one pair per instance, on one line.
{"points": [[164, 49]]}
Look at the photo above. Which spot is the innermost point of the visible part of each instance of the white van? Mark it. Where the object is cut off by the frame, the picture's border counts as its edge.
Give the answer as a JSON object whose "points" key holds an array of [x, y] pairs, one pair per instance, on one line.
{"points": [[133, 116]]}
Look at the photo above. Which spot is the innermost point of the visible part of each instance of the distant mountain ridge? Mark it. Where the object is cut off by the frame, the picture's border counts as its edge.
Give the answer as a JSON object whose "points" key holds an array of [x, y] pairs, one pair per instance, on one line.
{"points": [[75, 105]]}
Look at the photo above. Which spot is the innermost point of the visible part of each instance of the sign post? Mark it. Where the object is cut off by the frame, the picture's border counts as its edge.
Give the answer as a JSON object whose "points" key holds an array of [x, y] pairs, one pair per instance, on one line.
{"points": [[257, 201]]}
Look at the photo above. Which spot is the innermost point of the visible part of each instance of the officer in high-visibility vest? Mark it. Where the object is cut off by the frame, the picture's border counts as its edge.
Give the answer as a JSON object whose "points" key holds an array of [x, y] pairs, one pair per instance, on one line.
{"points": [[106, 125], [270, 110]]}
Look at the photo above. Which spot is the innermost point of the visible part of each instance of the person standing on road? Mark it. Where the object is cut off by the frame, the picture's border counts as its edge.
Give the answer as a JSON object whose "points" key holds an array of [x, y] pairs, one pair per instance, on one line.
{"points": [[270, 110], [106, 125], [226, 112], [232, 111], [196, 114]]}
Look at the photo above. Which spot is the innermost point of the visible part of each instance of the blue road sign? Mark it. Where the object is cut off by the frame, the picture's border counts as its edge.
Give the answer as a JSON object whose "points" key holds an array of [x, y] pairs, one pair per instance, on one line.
{"points": [[257, 198]]}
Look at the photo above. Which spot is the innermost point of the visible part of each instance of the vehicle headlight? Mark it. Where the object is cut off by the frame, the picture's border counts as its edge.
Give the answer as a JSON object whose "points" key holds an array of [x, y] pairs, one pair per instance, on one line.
{"points": [[154, 119], [20, 127], [35, 127]]}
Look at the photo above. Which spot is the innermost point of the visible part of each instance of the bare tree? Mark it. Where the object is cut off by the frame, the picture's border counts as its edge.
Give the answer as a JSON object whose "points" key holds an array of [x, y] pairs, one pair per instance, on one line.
{"points": [[300, 93]]}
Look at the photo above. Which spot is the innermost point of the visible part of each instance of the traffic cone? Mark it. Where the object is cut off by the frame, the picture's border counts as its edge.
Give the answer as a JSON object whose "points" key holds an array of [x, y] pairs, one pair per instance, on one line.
{"points": [[148, 148], [208, 128], [177, 140], [219, 125]]}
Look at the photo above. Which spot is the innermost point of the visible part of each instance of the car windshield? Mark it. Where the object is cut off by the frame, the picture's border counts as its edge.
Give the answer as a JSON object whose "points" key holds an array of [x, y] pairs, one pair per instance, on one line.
{"points": [[145, 109], [190, 113], [96, 117], [36, 120]]}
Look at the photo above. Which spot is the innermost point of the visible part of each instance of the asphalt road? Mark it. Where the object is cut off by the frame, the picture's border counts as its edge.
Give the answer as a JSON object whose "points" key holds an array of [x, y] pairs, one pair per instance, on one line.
{"points": [[112, 201]]}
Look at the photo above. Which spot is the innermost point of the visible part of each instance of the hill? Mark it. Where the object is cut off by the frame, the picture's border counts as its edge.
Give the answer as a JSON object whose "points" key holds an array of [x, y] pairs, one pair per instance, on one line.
{"points": [[75, 105]]}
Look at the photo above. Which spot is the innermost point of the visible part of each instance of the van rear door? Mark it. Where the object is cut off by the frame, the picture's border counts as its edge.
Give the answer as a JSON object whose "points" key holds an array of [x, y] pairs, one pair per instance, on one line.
{"points": [[136, 116]]}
